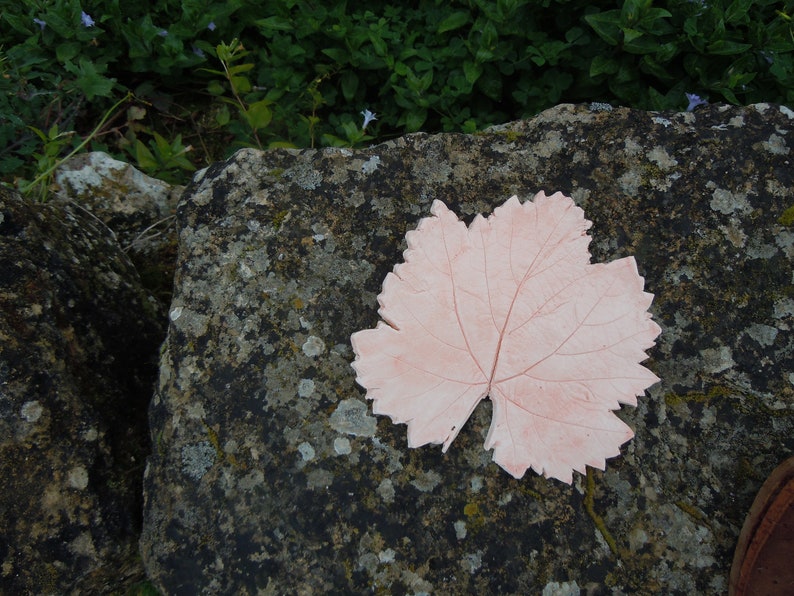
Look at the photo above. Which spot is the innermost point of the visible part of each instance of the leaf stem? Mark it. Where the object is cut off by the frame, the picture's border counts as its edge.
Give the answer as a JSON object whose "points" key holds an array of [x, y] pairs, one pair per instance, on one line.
{"points": [[48, 172]]}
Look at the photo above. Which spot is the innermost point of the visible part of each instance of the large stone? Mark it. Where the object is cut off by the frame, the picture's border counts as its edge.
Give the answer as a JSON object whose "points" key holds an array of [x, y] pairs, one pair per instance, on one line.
{"points": [[78, 360], [269, 474]]}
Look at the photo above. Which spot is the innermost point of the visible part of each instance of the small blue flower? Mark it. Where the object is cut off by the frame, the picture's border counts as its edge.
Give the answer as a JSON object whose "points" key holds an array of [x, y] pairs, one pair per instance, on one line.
{"points": [[198, 51], [211, 26], [86, 18], [40, 23], [694, 101], [162, 33], [368, 117]]}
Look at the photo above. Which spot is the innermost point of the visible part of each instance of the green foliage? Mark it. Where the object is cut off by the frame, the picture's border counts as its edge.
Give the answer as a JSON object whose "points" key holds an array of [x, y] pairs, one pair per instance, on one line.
{"points": [[253, 110], [162, 158], [230, 73]]}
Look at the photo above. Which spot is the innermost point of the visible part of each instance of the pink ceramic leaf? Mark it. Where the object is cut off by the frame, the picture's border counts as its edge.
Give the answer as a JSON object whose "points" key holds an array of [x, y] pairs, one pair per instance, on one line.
{"points": [[511, 308]]}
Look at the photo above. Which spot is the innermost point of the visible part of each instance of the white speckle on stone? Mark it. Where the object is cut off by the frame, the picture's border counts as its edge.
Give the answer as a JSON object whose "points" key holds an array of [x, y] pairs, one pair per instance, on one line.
{"points": [[561, 589], [78, 478], [717, 359], [83, 545], [305, 176], [319, 479], [91, 435], [728, 202], [195, 411], [383, 205], [776, 145], [598, 106], [245, 271], [386, 490], [175, 313], [342, 445], [758, 249], [306, 451], [763, 334], [784, 308], [368, 561], [460, 529], [427, 481], [631, 147], [197, 459], [735, 235], [252, 480], [386, 556], [638, 538], [471, 562], [630, 182], [785, 240], [786, 111], [663, 121], [551, 144], [371, 164], [313, 346], [707, 418], [661, 158], [305, 387], [305, 323], [476, 484], [31, 410], [351, 417]]}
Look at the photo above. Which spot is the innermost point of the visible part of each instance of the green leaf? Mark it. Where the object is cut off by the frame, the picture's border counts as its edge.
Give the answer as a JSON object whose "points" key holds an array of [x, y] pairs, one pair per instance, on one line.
{"points": [[349, 84], [66, 51], [275, 23], [19, 24], [414, 120], [454, 21], [215, 87], [241, 84], [603, 65], [381, 49], [472, 71], [691, 26], [222, 116], [606, 25], [723, 47], [146, 160], [259, 114], [736, 13], [239, 68], [630, 35], [89, 80], [163, 146], [338, 55]]}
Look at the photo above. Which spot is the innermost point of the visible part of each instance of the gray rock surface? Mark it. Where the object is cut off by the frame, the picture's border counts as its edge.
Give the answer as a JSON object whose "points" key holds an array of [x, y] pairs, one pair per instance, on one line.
{"points": [[78, 347], [269, 474], [135, 206], [138, 208]]}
